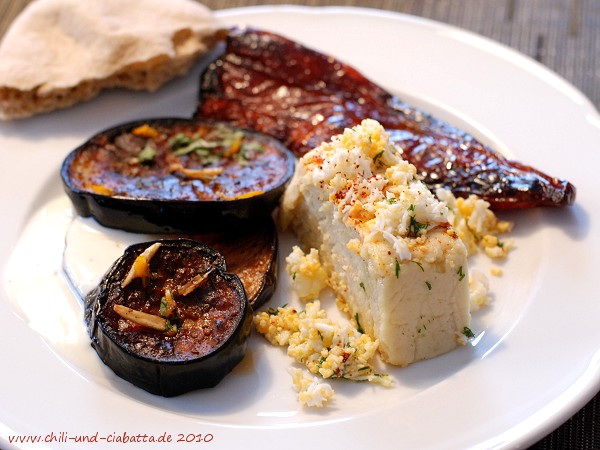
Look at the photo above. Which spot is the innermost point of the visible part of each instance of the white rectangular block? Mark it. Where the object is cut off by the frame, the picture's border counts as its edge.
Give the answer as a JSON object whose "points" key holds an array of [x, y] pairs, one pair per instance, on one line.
{"points": [[385, 242]]}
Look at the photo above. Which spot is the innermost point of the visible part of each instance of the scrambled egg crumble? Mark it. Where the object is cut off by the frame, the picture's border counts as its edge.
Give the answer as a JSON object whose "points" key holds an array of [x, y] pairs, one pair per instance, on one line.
{"points": [[479, 290], [311, 390], [307, 275], [326, 348], [478, 228], [477, 225]]}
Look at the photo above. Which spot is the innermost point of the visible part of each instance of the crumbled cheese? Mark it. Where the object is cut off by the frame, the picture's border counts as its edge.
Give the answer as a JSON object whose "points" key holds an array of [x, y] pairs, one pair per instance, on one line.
{"points": [[326, 348], [307, 275], [311, 391]]}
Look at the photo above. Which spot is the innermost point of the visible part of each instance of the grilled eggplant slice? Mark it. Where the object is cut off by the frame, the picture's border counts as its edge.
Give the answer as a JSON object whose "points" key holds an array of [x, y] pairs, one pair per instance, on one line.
{"points": [[168, 318], [251, 254], [172, 175]]}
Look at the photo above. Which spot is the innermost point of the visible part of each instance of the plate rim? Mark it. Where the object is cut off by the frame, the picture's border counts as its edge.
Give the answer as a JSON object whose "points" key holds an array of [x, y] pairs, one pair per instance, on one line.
{"points": [[558, 415]]}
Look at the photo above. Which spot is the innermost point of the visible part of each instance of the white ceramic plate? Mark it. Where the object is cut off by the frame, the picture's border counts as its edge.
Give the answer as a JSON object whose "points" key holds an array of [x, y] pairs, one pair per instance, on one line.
{"points": [[535, 360]]}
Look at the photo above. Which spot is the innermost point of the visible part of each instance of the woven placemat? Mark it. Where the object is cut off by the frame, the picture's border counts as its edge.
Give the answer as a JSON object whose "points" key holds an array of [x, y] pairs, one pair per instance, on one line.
{"points": [[581, 432]]}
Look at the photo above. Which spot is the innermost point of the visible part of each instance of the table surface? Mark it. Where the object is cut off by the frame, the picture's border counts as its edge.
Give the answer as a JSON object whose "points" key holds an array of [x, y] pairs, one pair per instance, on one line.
{"points": [[564, 35]]}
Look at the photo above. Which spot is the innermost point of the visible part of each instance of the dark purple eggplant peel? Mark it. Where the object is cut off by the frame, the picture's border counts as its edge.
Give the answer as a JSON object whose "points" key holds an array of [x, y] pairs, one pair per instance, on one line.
{"points": [[274, 85], [169, 318], [173, 175]]}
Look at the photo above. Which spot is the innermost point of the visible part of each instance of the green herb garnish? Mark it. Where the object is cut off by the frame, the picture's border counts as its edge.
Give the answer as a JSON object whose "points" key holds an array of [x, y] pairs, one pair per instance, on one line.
{"points": [[196, 145], [419, 264], [179, 140], [358, 326], [170, 327], [415, 227], [468, 333], [147, 154], [163, 307], [378, 156], [273, 311]]}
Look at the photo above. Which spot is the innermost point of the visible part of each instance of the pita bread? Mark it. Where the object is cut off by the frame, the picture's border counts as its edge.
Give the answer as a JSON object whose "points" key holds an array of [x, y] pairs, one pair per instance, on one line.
{"points": [[60, 52]]}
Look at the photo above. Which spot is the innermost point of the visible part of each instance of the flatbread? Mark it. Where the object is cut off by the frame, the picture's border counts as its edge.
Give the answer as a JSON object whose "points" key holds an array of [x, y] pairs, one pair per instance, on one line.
{"points": [[60, 52]]}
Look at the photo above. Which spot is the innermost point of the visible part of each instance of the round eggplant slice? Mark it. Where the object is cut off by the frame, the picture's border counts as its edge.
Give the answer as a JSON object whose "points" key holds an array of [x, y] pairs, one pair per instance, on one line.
{"points": [[168, 318], [173, 175], [251, 253]]}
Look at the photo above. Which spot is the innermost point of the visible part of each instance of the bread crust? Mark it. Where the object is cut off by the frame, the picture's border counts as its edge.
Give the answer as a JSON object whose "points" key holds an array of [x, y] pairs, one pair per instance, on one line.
{"points": [[61, 52]]}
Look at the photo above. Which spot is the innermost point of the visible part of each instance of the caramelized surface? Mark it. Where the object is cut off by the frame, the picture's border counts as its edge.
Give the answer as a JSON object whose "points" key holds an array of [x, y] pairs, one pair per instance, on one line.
{"points": [[177, 160], [302, 97], [205, 318], [251, 254]]}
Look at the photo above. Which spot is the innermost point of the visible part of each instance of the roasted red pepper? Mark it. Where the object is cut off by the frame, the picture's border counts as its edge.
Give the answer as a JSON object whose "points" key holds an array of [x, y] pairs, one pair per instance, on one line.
{"points": [[302, 97]]}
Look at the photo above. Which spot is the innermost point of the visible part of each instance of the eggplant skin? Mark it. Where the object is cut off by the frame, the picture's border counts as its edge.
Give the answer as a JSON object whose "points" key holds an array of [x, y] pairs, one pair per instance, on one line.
{"points": [[107, 178], [150, 370], [251, 253]]}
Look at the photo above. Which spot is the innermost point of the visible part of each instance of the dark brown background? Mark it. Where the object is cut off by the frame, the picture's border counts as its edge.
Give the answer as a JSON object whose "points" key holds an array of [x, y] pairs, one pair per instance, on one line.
{"points": [[564, 35]]}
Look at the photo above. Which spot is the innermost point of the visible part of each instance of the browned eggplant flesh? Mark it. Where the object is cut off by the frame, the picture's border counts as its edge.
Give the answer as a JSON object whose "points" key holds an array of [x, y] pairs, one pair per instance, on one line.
{"points": [[173, 174], [169, 318], [251, 254]]}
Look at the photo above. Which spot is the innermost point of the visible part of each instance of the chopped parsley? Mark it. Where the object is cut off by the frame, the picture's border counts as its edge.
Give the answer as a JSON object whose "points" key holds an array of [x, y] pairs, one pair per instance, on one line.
{"points": [[163, 307], [147, 154], [419, 264], [198, 145], [397, 268], [377, 157], [468, 333], [274, 311], [461, 274], [428, 285], [362, 285], [170, 327], [358, 326], [415, 227], [179, 140]]}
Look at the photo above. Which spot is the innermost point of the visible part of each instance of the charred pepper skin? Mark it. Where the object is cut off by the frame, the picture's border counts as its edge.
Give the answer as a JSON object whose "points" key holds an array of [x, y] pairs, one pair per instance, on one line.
{"points": [[302, 97]]}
